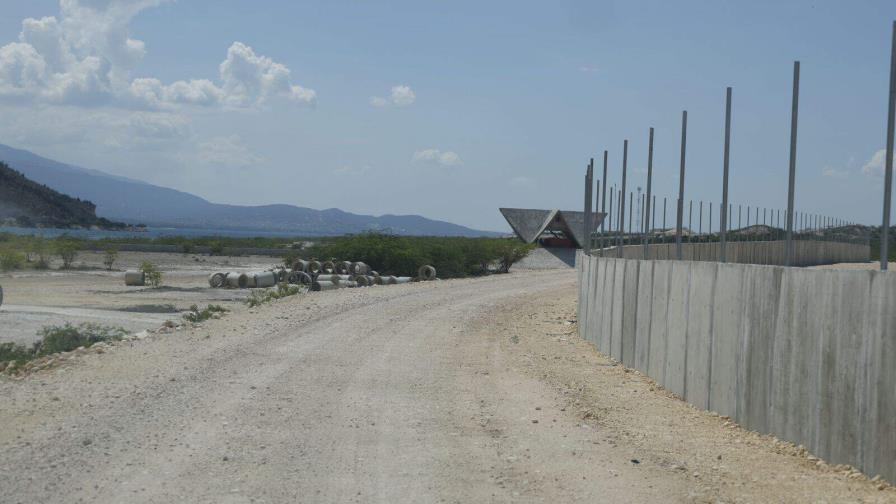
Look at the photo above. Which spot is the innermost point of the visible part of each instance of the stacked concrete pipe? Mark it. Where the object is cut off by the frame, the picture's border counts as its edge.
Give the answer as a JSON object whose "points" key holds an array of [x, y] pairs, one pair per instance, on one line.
{"points": [[264, 279], [134, 278], [426, 272], [217, 280], [237, 280]]}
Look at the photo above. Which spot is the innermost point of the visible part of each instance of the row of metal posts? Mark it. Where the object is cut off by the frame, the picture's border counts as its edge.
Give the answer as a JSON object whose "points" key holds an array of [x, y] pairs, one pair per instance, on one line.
{"points": [[725, 207]]}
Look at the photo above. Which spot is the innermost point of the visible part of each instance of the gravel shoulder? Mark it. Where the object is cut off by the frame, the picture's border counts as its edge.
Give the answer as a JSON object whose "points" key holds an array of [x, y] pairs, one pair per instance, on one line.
{"points": [[460, 391]]}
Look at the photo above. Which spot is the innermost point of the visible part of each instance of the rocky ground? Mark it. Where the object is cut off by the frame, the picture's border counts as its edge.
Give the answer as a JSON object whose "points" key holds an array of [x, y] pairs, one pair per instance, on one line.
{"points": [[88, 293], [452, 391]]}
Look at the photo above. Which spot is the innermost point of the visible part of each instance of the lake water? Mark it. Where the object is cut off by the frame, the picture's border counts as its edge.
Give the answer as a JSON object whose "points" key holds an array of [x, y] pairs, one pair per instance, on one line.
{"points": [[151, 232]]}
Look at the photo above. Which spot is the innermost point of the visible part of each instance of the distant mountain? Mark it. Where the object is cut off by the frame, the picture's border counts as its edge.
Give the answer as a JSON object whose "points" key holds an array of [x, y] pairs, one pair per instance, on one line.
{"points": [[24, 202], [133, 201]]}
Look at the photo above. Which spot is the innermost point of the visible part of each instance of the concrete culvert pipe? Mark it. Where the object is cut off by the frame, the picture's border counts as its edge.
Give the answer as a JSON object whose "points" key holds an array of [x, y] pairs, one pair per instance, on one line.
{"points": [[300, 265], [281, 275], [237, 280], [134, 278], [373, 273], [361, 280], [344, 267], [265, 279], [216, 280], [388, 280], [299, 278], [317, 286], [402, 280], [313, 267], [334, 278], [359, 268], [426, 272], [328, 267], [325, 285]]}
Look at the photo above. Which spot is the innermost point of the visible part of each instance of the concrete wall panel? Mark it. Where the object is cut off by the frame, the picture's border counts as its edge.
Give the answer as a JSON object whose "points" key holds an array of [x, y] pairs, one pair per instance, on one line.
{"points": [[701, 293], [630, 312], [727, 313], [643, 312], [677, 328]]}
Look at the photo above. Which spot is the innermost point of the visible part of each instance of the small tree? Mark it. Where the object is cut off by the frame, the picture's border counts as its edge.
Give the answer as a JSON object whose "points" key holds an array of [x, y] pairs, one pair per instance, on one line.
{"points": [[40, 250], [67, 251], [109, 258], [152, 274]]}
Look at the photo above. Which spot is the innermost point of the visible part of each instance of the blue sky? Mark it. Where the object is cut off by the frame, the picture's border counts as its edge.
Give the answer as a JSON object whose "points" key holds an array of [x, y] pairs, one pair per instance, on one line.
{"points": [[451, 109]]}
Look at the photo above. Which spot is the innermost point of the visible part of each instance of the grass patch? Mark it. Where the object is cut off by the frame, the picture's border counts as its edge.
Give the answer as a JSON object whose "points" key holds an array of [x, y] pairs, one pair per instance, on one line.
{"points": [[60, 339], [196, 315], [282, 290]]}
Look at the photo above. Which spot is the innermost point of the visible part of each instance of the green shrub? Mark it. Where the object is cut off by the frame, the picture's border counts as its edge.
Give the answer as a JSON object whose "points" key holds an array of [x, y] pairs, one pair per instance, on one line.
{"points": [[216, 248], [67, 250], [196, 315], [402, 255], [109, 257], [13, 352], [282, 290], [152, 274], [68, 337], [11, 259]]}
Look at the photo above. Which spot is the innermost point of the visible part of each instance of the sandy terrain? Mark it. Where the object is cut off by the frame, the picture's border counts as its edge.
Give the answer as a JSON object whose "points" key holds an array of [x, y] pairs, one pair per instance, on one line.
{"points": [[89, 293], [452, 391]]}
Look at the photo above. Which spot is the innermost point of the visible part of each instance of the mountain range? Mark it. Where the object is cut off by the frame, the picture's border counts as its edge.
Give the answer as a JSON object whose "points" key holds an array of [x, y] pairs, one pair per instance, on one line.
{"points": [[136, 202]]}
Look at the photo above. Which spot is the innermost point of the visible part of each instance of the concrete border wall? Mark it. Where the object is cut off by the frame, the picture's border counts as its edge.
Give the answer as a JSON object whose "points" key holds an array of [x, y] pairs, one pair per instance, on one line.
{"points": [[808, 355], [805, 253]]}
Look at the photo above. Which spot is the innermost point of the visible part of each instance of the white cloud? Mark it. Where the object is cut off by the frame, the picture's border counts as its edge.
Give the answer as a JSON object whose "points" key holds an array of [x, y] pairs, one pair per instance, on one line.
{"points": [[875, 166], [86, 58], [403, 96], [435, 156], [588, 69], [229, 151], [400, 96], [832, 173]]}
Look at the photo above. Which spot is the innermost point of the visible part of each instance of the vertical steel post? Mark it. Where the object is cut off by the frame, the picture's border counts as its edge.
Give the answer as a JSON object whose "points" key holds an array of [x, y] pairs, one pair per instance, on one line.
{"points": [[794, 116], [700, 220], [596, 214], [739, 208], [631, 201], [603, 206], [622, 199], [684, 137], [586, 247], [649, 181], [723, 227], [888, 162], [664, 214]]}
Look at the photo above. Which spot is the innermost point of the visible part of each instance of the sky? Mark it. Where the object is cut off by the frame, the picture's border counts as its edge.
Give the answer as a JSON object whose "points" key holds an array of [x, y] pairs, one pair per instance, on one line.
{"points": [[452, 109]]}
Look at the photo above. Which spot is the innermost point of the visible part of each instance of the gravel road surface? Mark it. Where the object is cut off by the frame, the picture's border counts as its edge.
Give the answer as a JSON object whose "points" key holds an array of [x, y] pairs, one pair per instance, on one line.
{"points": [[451, 391]]}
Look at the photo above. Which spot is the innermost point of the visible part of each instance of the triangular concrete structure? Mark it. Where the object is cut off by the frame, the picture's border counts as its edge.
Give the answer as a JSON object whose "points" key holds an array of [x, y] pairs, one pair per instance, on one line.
{"points": [[528, 223]]}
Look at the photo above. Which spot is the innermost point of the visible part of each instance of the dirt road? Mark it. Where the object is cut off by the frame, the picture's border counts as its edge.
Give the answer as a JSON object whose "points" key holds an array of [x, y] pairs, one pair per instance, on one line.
{"points": [[455, 391]]}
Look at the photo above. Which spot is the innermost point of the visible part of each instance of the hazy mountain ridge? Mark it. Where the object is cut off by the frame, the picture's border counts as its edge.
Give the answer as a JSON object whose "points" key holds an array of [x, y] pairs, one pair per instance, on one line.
{"points": [[24, 202], [133, 201]]}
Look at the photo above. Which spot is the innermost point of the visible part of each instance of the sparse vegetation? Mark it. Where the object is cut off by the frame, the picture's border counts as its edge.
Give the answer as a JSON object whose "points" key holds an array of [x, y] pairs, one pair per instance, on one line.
{"points": [[282, 290], [109, 257], [11, 259], [402, 255], [67, 250], [196, 315], [60, 339], [152, 274]]}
